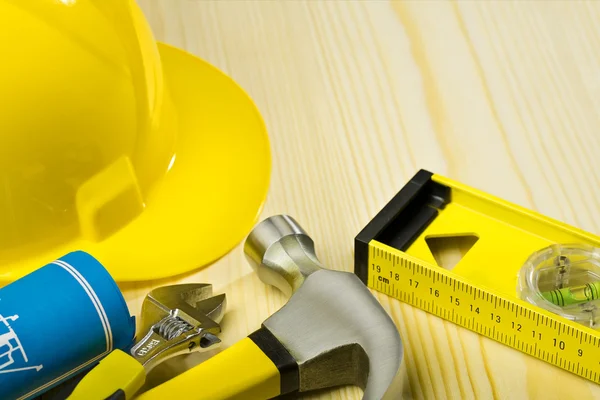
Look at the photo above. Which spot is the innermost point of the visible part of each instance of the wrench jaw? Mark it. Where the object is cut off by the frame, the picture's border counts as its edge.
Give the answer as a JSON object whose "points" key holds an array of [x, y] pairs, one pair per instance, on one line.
{"points": [[195, 299], [178, 319]]}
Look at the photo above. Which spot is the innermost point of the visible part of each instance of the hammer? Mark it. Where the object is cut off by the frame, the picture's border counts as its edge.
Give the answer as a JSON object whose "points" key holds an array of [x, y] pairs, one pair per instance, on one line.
{"points": [[331, 332]]}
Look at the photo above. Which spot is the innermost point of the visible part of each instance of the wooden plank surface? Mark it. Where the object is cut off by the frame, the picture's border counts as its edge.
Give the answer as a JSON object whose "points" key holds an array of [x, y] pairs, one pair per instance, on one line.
{"points": [[357, 96]]}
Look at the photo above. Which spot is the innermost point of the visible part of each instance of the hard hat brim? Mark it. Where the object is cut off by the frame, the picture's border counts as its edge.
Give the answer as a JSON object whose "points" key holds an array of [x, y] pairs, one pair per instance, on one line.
{"points": [[213, 193]]}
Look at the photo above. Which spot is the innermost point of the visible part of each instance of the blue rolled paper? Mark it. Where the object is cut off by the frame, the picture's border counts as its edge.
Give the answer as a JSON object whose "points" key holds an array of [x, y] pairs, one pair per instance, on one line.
{"points": [[59, 321]]}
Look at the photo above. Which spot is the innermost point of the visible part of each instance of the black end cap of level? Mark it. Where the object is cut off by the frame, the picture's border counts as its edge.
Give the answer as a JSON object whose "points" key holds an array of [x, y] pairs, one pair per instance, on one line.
{"points": [[283, 360], [402, 219]]}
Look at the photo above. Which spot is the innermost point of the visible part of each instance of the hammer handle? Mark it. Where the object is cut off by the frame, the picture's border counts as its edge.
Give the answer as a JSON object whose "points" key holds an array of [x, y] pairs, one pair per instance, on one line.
{"points": [[242, 371]]}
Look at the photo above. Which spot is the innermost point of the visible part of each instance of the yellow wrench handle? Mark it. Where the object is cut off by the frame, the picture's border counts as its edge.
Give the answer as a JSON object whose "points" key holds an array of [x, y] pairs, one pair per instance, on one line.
{"points": [[243, 371], [118, 376]]}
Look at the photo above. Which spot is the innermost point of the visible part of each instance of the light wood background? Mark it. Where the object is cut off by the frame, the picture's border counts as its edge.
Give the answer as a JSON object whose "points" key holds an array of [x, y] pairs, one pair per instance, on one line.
{"points": [[358, 95]]}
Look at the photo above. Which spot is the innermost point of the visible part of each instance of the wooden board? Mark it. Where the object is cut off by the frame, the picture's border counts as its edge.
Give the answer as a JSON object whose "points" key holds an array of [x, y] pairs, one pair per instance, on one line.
{"points": [[357, 96]]}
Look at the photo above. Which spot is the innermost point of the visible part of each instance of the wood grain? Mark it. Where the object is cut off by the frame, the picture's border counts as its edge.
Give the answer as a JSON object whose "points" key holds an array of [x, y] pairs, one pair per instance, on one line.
{"points": [[357, 96]]}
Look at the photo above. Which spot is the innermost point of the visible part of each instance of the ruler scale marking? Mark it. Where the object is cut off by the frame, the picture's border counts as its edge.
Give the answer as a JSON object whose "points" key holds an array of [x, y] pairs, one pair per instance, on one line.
{"points": [[510, 312]]}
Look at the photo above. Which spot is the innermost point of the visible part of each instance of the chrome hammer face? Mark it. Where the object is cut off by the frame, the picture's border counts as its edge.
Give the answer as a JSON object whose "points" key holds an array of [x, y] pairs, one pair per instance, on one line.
{"points": [[333, 326]]}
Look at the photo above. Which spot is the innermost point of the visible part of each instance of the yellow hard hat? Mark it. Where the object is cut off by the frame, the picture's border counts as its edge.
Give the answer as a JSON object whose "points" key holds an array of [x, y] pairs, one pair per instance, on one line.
{"points": [[141, 154]]}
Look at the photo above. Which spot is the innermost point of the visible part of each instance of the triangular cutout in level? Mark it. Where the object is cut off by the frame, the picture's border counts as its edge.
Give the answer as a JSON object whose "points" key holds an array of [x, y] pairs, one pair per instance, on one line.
{"points": [[449, 250]]}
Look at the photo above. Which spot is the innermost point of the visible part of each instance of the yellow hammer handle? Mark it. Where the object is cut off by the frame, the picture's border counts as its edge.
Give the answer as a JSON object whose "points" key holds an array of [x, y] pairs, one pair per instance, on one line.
{"points": [[118, 376], [242, 371]]}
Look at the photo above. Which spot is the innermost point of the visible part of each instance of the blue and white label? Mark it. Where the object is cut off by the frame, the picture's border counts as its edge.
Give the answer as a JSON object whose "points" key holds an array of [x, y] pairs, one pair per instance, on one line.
{"points": [[13, 357]]}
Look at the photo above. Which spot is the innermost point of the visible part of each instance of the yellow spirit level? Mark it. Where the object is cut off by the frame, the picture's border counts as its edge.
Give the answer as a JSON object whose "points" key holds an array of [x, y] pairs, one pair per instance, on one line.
{"points": [[485, 290]]}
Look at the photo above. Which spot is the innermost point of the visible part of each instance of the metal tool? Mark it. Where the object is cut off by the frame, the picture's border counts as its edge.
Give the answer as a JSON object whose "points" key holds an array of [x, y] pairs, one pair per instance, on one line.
{"points": [[176, 320], [331, 332]]}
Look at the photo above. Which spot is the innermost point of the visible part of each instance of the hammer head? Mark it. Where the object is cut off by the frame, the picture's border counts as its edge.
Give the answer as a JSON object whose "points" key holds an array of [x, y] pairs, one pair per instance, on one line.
{"points": [[332, 325]]}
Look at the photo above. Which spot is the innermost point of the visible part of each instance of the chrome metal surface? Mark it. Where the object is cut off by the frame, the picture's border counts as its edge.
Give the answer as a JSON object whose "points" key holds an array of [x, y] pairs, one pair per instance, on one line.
{"points": [[178, 319], [282, 253], [170, 328], [332, 325], [194, 299]]}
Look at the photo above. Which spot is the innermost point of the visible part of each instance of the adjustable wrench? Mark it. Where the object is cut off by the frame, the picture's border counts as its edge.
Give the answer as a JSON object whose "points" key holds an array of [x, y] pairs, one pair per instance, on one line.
{"points": [[176, 319]]}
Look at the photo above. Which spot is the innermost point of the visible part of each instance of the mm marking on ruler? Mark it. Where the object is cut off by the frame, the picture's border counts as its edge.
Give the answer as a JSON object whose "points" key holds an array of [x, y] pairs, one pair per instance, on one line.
{"points": [[505, 319]]}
